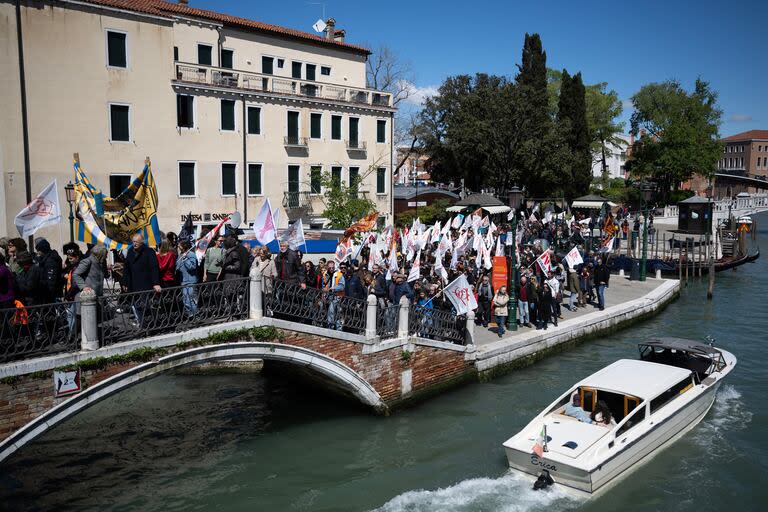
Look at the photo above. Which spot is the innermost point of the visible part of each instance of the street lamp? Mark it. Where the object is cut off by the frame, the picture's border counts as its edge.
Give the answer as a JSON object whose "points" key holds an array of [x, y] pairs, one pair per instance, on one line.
{"points": [[515, 199], [70, 191], [646, 189]]}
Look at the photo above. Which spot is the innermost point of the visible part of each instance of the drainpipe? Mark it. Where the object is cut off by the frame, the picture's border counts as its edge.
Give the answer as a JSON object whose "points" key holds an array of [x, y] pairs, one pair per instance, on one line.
{"points": [[245, 164], [219, 44], [24, 120]]}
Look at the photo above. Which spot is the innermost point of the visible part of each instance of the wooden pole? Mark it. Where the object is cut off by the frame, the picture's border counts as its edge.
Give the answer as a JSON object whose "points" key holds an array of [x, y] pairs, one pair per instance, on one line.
{"points": [[711, 286], [701, 256], [679, 261]]}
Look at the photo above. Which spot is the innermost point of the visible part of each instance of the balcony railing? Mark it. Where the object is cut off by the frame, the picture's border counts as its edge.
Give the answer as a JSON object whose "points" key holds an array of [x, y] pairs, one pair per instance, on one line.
{"points": [[294, 200], [224, 77], [356, 145], [292, 141]]}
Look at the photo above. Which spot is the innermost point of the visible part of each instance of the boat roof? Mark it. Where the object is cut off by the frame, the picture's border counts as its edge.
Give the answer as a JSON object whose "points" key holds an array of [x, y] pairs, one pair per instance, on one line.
{"points": [[642, 379], [683, 345]]}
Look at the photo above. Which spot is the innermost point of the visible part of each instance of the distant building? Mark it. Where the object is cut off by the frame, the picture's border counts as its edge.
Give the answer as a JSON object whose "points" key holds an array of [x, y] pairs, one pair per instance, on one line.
{"points": [[408, 197], [615, 159], [746, 153], [414, 167]]}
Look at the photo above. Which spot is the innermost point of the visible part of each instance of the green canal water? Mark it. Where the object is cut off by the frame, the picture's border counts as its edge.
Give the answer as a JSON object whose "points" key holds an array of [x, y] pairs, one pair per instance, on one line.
{"points": [[264, 442]]}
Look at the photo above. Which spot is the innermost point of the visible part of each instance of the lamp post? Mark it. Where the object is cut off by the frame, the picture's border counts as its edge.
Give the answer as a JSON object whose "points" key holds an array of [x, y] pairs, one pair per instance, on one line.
{"points": [[70, 191], [515, 198], [645, 192]]}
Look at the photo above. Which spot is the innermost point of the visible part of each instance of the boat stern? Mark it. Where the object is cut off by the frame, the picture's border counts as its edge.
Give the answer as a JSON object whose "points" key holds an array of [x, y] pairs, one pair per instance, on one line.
{"points": [[523, 461]]}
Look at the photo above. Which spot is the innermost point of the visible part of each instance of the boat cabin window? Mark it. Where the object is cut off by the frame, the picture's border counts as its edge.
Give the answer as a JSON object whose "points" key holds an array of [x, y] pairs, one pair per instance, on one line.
{"points": [[636, 417], [630, 402], [588, 399], [670, 394]]}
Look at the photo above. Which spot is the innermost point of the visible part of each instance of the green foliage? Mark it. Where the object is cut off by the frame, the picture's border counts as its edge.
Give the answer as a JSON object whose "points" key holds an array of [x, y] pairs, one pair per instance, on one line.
{"points": [[344, 204], [572, 116], [427, 214], [405, 356], [678, 133]]}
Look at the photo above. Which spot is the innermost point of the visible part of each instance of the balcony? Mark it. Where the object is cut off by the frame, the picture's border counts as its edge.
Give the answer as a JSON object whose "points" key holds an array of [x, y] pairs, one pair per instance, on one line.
{"points": [[356, 145], [189, 73], [291, 141], [297, 200]]}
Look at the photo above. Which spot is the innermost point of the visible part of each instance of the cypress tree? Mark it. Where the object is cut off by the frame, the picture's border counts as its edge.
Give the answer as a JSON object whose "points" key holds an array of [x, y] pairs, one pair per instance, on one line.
{"points": [[572, 123]]}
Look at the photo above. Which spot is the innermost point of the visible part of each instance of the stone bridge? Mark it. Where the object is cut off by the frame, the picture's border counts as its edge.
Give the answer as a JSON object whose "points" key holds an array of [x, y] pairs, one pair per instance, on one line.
{"points": [[382, 366]]}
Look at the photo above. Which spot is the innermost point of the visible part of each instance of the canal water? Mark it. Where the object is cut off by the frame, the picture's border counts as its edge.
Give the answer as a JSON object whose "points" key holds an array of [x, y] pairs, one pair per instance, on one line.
{"points": [[263, 442]]}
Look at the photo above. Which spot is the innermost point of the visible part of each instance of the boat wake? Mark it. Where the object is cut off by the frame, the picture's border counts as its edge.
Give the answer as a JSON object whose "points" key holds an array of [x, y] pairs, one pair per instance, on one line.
{"points": [[729, 413], [508, 493]]}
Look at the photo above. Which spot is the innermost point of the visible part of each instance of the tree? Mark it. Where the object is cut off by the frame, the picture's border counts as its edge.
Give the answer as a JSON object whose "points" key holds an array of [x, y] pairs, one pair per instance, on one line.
{"points": [[679, 133], [344, 205], [572, 116]]}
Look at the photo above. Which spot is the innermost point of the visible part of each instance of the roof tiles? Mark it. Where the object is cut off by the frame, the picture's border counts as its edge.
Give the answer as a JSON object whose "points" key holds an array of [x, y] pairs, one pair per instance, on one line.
{"points": [[750, 135]]}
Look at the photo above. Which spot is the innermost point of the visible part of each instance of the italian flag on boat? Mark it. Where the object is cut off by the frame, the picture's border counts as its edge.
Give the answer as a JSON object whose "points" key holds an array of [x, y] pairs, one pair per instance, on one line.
{"points": [[541, 442]]}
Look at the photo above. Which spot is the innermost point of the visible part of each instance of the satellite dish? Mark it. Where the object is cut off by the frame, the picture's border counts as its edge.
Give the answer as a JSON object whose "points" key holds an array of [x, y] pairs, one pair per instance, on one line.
{"points": [[319, 26], [235, 219]]}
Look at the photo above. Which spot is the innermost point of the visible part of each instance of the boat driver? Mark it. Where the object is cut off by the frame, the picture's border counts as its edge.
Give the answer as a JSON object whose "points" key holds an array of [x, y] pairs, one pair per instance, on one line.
{"points": [[575, 411]]}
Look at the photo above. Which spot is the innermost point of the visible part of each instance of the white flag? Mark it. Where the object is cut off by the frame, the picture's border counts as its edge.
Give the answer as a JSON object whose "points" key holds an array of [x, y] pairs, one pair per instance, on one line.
{"points": [[264, 225], [415, 272], [294, 235], [467, 222], [487, 258], [574, 258], [498, 247], [544, 261], [439, 269], [608, 247], [459, 292], [435, 233], [43, 211], [446, 228], [457, 220], [393, 267]]}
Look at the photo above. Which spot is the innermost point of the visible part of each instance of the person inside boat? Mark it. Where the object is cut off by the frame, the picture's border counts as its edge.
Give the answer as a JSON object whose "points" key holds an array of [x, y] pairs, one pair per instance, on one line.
{"points": [[602, 415], [574, 409]]}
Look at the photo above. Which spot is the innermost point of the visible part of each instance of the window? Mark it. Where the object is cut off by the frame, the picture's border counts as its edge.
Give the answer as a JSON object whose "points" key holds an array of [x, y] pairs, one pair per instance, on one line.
{"points": [[118, 183], [673, 392], [336, 176], [119, 123], [741, 162], [254, 179], [187, 179], [280, 63], [185, 111], [228, 58], [228, 187], [117, 50], [381, 131], [381, 180], [636, 417], [254, 120], [354, 125], [296, 69], [175, 53], [315, 179], [311, 72], [354, 173], [293, 186], [336, 127], [228, 115], [204, 52], [266, 65], [316, 123], [325, 70], [293, 126]]}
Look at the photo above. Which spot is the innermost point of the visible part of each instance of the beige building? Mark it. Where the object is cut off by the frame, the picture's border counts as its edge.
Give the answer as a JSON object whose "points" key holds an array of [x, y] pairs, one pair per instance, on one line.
{"points": [[230, 111]]}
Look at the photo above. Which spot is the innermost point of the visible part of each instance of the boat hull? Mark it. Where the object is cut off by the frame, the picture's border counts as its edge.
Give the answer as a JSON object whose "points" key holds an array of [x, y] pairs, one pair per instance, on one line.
{"points": [[630, 453]]}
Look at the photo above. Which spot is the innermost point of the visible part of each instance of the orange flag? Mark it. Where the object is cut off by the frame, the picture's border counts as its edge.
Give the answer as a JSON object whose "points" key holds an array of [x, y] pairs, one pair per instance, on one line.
{"points": [[367, 223]]}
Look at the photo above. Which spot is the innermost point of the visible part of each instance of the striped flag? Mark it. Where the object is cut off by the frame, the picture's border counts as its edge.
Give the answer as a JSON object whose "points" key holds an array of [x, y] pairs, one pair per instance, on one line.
{"points": [[541, 442]]}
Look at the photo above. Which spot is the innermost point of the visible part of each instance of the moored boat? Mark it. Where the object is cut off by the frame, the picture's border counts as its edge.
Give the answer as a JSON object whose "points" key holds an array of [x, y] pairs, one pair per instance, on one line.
{"points": [[653, 402]]}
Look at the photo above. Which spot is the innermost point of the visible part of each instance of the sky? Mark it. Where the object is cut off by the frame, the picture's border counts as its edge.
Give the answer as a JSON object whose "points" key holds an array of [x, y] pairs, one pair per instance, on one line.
{"points": [[626, 44]]}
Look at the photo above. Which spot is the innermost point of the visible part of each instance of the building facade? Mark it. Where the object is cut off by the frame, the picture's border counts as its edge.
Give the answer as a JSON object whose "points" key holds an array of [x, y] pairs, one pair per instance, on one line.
{"points": [[413, 168], [746, 153], [230, 111], [615, 159]]}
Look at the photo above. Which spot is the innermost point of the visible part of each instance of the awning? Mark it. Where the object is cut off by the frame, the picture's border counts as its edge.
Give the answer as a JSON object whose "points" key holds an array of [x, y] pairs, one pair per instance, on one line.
{"points": [[596, 205], [493, 210]]}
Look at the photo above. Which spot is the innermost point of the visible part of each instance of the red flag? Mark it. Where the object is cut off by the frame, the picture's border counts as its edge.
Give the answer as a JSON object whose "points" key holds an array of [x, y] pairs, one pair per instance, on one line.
{"points": [[367, 223]]}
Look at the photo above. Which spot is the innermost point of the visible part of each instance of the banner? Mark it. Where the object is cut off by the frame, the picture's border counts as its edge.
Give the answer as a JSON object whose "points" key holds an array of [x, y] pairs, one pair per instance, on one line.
{"points": [[544, 261], [415, 272], [202, 245], [294, 235], [367, 223], [343, 251], [42, 211], [133, 211], [264, 225], [574, 258], [460, 293], [499, 273]]}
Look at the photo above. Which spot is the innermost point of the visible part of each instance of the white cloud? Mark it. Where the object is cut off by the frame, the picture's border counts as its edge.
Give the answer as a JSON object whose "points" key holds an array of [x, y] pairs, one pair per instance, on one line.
{"points": [[416, 94], [739, 118]]}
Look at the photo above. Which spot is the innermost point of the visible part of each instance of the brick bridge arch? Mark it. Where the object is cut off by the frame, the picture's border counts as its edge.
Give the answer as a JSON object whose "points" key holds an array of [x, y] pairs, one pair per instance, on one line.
{"points": [[339, 373]]}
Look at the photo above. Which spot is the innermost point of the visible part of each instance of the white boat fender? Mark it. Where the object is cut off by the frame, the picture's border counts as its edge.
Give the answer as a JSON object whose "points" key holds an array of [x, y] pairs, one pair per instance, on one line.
{"points": [[544, 481]]}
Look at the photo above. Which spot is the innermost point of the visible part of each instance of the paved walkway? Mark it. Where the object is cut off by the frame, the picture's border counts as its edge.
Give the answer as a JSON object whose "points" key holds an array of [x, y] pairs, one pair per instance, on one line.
{"points": [[621, 290]]}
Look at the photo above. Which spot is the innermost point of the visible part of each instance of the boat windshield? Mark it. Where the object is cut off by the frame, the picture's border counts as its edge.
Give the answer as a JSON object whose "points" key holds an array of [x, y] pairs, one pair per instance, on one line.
{"points": [[699, 358], [593, 401]]}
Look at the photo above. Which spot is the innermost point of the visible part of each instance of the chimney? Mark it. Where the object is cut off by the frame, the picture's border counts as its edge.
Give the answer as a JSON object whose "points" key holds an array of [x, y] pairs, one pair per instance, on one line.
{"points": [[339, 36], [330, 29]]}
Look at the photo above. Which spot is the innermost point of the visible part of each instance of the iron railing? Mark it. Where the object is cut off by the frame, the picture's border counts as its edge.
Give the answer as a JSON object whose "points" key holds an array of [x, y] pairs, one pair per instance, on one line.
{"points": [[436, 324], [289, 301], [34, 331], [387, 321], [235, 79], [128, 316], [298, 199], [356, 145], [294, 141]]}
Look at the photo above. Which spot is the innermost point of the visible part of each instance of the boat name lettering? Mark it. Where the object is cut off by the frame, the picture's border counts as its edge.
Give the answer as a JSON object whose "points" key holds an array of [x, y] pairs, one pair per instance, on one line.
{"points": [[538, 462]]}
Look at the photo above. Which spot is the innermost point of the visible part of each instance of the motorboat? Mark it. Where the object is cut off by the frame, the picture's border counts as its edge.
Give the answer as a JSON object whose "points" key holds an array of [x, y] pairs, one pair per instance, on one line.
{"points": [[653, 400]]}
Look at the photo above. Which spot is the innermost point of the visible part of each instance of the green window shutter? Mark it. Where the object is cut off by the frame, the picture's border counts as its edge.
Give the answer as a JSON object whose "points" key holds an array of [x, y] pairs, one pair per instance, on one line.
{"points": [[267, 64], [316, 125], [185, 115], [254, 120], [315, 179], [381, 180], [296, 69], [254, 179], [116, 50], [186, 179], [353, 131], [204, 54], [119, 123], [293, 126], [336, 127], [228, 59], [381, 131], [228, 187], [228, 115]]}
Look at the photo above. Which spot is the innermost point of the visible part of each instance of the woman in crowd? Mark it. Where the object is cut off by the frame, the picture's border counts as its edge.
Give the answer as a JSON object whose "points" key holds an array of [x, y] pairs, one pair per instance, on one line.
{"points": [[265, 265], [533, 301], [500, 301], [545, 306], [311, 277], [186, 265], [231, 266], [166, 260]]}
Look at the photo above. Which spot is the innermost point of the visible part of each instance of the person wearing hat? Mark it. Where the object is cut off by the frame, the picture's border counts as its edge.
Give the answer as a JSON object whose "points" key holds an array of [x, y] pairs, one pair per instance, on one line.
{"points": [[574, 409], [50, 265], [399, 288], [29, 280]]}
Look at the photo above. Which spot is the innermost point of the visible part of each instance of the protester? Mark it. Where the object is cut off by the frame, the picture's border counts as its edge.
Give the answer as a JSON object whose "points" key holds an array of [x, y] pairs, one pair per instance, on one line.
{"points": [[231, 265], [484, 297], [186, 265], [214, 256], [15, 247], [500, 301], [602, 276], [288, 265], [6, 285], [166, 261], [50, 264]]}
